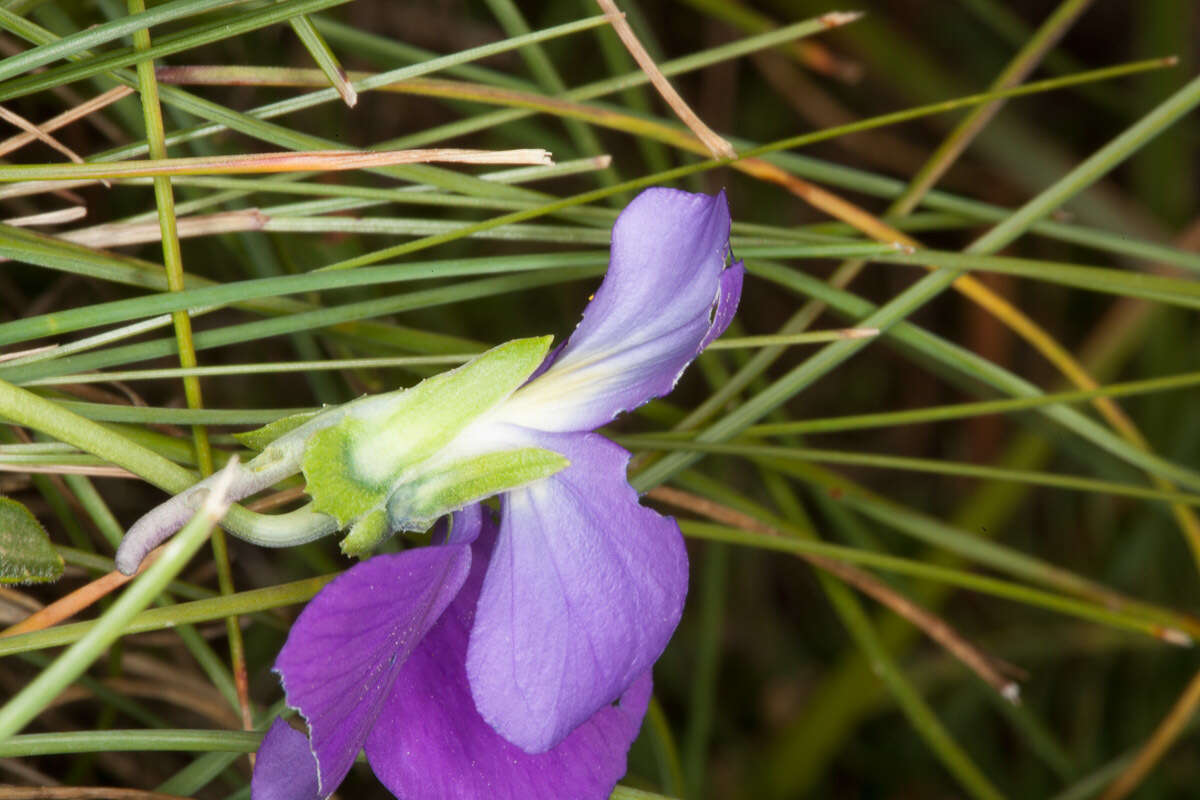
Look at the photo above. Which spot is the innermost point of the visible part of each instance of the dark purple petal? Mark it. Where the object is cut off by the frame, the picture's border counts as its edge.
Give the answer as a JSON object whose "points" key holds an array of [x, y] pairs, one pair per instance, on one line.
{"points": [[430, 743], [346, 648], [729, 293], [582, 593], [284, 768], [648, 319], [461, 527]]}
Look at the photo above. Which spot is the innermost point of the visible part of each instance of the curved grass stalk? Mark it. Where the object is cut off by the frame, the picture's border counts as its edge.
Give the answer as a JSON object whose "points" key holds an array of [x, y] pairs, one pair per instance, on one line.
{"points": [[25, 408]]}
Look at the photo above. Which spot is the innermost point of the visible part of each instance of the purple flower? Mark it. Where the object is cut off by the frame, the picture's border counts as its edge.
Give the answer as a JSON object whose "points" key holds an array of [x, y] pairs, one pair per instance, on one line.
{"points": [[514, 661]]}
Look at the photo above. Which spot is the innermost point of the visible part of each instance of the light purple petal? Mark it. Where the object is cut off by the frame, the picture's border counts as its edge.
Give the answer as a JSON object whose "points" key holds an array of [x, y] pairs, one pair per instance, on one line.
{"points": [[648, 319], [430, 743], [284, 768], [583, 591], [349, 643]]}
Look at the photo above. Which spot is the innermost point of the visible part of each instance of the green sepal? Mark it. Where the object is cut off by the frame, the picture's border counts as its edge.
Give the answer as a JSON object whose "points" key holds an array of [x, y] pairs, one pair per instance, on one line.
{"points": [[353, 465], [414, 506], [334, 490], [26, 554], [364, 535], [259, 438]]}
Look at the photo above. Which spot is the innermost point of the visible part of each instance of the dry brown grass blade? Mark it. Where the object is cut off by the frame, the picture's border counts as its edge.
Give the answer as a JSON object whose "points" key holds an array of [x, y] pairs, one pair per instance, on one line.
{"points": [[107, 128], [208, 705], [30, 352], [30, 188], [15, 606], [57, 217], [25, 772], [65, 118], [33, 130], [274, 162], [119, 234], [277, 499], [71, 604], [821, 59], [1158, 743], [18, 599], [934, 627], [715, 144], [69, 469]]}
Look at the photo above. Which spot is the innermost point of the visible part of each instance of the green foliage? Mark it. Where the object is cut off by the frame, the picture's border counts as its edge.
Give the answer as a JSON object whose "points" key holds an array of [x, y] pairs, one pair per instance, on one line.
{"points": [[26, 554], [259, 438]]}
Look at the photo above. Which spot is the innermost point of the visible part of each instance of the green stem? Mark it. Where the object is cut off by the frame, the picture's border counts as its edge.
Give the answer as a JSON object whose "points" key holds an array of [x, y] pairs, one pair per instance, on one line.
{"points": [[191, 741], [26, 408], [164, 197]]}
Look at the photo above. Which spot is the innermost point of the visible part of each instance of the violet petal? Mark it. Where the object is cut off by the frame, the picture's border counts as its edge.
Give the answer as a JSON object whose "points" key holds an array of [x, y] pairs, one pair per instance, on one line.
{"points": [[346, 648], [581, 596], [728, 295], [461, 527], [430, 743], [647, 320], [285, 768]]}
